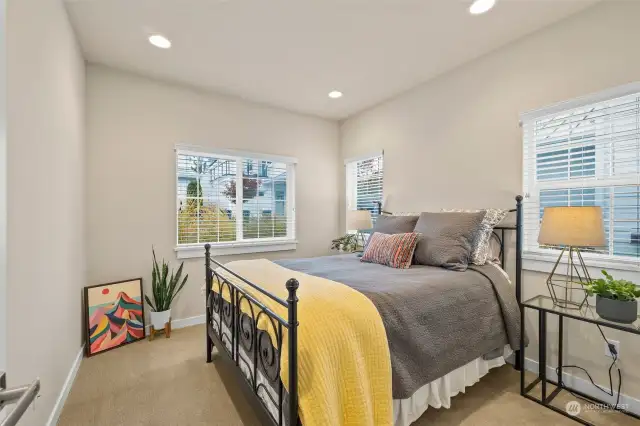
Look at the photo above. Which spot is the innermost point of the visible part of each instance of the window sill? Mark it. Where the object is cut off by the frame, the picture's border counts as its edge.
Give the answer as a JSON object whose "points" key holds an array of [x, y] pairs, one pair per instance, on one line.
{"points": [[543, 262], [242, 247]]}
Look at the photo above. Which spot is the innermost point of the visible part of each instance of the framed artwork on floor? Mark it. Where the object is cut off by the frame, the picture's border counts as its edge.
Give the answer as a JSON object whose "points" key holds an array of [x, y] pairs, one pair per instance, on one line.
{"points": [[114, 315]]}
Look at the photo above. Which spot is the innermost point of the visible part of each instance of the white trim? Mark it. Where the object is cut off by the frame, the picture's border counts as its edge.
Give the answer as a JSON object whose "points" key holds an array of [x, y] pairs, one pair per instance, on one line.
{"points": [[238, 247], [66, 388], [232, 154], [291, 200], [584, 386], [239, 203], [364, 157], [605, 95], [184, 322], [278, 243], [543, 262]]}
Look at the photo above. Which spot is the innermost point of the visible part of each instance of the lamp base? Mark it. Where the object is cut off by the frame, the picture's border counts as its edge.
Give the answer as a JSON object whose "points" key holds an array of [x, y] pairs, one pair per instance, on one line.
{"points": [[361, 242], [567, 289]]}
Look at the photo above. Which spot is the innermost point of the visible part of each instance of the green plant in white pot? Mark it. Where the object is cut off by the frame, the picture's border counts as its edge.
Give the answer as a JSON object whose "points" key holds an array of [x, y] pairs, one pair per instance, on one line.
{"points": [[164, 289], [615, 299], [346, 244]]}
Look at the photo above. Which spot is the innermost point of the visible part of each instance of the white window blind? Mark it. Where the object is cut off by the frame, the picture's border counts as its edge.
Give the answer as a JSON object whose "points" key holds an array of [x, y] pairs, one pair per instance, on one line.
{"points": [[226, 199], [586, 156], [364, 184]]}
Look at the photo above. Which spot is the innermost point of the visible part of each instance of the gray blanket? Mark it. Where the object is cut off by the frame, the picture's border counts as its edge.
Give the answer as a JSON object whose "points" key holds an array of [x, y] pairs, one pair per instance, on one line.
{"points": [[436, 320]]}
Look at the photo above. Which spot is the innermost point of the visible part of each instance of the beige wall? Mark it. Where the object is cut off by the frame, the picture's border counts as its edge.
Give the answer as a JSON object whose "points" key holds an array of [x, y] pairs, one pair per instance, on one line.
{"points": [[133, 125], [455, 141], [3, 188], [46, 261]]}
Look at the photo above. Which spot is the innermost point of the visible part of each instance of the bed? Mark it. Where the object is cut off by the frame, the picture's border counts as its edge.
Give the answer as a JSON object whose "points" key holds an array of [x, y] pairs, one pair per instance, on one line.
{"points": [[444, 329]]}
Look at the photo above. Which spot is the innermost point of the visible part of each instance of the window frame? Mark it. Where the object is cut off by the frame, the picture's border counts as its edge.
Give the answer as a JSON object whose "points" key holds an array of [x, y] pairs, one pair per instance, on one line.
{"points": [[543, 260], [240, 245]]}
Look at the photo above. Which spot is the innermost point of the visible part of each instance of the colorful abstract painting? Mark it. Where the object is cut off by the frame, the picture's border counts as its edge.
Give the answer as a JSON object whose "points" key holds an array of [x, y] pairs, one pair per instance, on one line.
{"points": [[115, 315]]}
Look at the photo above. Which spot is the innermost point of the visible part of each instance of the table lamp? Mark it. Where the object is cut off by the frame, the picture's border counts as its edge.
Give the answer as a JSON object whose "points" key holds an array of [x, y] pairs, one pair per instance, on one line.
{"points": [[572, 228], [359, 220]]}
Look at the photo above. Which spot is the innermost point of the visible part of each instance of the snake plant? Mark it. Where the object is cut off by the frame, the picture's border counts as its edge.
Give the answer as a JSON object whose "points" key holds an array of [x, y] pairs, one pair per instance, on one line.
{"points": [[164, 288]]}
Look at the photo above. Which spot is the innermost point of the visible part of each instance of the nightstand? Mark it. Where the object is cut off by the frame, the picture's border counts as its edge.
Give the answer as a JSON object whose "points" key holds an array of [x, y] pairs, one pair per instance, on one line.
{"points": [[544, 305]]}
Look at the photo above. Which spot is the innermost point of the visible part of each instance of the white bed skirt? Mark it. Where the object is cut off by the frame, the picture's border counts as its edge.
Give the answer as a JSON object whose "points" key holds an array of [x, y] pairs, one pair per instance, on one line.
{"points": [[439, 392]]}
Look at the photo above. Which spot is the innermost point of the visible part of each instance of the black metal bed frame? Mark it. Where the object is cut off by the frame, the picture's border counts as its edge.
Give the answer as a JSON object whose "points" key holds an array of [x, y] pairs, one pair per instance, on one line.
{"points": [[236, 335]]}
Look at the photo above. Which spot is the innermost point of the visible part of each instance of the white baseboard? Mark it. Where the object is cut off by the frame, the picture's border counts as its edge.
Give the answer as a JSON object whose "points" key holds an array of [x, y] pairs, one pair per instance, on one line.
{"points": [[184, 322], [188, 322], [585, 386], [66, 388]]}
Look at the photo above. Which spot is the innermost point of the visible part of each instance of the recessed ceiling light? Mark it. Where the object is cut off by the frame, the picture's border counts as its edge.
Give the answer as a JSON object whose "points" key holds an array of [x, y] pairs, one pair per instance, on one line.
{"points": [[334, 94], [481, 6], [160, 41]]}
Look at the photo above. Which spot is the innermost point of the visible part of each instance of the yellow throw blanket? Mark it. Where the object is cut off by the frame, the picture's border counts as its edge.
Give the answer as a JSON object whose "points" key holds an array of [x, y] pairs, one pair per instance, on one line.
{"points": [[344, 368]]}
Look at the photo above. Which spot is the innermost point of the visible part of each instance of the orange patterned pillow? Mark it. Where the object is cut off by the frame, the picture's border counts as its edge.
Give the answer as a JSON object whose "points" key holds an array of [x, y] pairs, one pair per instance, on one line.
{"points": [[395, 250]]}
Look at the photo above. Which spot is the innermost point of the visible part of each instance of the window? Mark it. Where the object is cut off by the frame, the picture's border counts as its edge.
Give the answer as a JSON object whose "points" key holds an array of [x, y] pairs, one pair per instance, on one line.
{"points": [[364, 184], [586, 155], [233, 201]]}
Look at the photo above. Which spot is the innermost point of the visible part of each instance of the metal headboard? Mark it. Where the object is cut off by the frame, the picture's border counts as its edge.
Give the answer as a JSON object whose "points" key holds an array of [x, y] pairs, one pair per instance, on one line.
{"points": [[519, 355], [500, 237]]}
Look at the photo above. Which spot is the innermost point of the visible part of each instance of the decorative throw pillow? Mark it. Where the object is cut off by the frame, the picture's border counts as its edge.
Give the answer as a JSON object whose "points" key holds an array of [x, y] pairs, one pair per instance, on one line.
{"points": [[395, 250], [446, 239], [480, 247]]}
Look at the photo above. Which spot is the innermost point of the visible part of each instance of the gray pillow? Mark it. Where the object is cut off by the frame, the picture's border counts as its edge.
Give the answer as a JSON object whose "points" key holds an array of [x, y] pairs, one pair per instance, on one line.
{"points": [[446, 239], [395, 224], [480, 248]]}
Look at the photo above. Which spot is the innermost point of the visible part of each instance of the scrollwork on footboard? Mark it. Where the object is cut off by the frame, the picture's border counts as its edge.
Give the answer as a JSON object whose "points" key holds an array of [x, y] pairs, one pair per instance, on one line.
{"points": [[250, 334]]}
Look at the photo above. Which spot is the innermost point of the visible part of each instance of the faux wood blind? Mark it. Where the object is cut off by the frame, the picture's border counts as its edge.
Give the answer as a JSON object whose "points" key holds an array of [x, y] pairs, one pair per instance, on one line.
{"points": [[365, 184]]}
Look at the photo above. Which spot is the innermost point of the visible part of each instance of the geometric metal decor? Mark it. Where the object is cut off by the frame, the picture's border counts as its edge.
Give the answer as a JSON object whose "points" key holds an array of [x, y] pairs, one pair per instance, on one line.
{"points": [[566, 289]]}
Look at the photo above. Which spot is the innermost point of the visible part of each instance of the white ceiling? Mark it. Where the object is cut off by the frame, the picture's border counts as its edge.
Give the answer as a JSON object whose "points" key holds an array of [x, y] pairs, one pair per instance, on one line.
{"points": [[291, 53]]}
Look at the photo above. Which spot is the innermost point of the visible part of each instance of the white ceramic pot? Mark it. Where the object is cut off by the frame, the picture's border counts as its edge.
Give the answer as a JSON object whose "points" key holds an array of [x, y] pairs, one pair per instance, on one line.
{"points": [[159, 319]]}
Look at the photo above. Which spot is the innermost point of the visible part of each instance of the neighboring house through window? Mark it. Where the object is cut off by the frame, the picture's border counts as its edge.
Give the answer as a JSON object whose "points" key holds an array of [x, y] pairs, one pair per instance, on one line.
{"points": [[364, 183], [235, 202], [586, 155]]}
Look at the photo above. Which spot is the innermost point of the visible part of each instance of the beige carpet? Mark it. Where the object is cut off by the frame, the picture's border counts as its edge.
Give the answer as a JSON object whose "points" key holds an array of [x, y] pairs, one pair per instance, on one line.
{"points": [[167, 382]]}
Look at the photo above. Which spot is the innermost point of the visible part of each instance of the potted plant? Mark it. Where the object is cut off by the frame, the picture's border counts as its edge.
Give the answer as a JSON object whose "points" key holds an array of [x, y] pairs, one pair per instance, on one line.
{"points": [[164, 289], [615, 299], [347, 243]]}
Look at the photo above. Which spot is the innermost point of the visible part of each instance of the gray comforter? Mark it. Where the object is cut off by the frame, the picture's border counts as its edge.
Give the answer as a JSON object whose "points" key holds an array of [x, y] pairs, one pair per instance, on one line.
{"points": [[436, 320]]}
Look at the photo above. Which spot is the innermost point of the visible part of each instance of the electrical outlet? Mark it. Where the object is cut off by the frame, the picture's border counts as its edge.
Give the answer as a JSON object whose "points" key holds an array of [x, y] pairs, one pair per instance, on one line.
{"points": [[616, 344]]}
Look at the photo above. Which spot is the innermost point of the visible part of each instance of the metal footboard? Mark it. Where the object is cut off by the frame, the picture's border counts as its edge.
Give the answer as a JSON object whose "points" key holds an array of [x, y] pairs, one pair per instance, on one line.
{"points": [[232, 328]]}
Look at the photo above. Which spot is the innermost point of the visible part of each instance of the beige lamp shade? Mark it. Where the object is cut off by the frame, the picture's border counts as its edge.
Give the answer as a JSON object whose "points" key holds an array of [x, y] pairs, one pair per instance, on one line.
{"points": [[572, 226], [359, 219]]}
